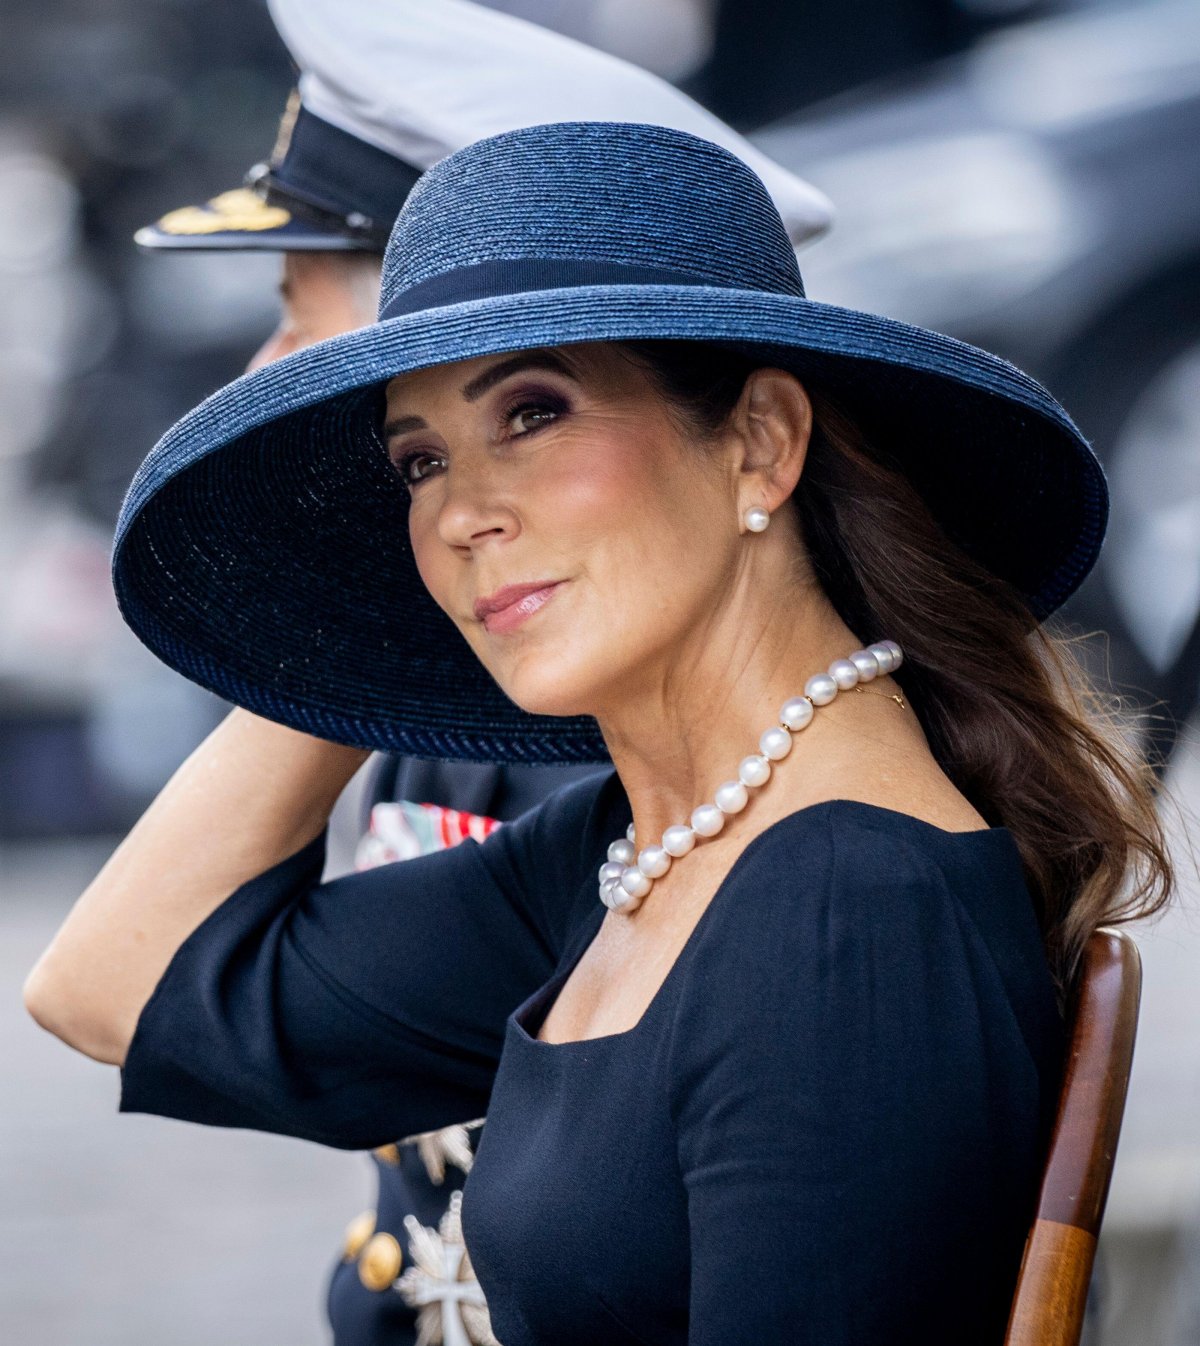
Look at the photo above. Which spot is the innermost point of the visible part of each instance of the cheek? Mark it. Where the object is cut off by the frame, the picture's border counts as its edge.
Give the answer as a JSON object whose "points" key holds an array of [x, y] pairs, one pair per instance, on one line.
{"points": [[644, 520], [651, 494], [332, 321], [584, 490], [599, 507]]}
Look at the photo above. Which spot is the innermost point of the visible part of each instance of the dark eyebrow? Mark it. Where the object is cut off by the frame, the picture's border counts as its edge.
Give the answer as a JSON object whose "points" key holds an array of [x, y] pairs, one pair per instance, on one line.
{"points": [[525, 360], [479, 385], [402, 424]]}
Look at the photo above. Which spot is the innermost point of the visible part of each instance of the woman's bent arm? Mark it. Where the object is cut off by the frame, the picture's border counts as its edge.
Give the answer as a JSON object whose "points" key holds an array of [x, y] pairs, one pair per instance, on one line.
{"points": [[251, 794]]}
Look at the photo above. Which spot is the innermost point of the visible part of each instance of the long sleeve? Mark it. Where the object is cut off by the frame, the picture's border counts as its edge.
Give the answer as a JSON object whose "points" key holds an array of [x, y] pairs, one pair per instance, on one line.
{"points": [[857, 1119], [372, 1007]]}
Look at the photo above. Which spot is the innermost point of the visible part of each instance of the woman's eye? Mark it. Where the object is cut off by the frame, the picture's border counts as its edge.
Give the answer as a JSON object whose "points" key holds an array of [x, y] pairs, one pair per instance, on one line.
{"points": [[415, 467], [530, 416]]}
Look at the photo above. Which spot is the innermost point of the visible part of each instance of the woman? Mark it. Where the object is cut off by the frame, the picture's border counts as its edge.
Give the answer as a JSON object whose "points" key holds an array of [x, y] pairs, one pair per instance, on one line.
{"points": [[764, 1021]]}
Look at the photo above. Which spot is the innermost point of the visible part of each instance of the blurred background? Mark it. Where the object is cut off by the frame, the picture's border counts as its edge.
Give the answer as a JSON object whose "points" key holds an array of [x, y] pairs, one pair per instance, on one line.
{"points": [[1025, 176]]}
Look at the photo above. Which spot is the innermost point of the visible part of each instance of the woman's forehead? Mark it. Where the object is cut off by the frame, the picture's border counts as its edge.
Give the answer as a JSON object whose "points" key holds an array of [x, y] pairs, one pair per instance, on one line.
{"points": [[472, 378]]}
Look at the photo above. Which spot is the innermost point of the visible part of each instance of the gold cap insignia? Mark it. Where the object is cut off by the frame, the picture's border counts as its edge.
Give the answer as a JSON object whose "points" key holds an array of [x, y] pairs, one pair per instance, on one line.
{"points": [[236, 210]]}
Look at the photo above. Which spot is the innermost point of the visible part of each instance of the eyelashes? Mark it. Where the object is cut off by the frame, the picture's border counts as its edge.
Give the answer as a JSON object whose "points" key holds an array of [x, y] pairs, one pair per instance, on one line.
{"points": [[532, 400], [523, 414], [407, 466]]}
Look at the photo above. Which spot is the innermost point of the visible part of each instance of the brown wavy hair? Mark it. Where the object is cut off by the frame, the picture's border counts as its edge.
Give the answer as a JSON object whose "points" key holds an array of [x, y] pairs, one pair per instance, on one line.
{"points": [[1009, 710]]}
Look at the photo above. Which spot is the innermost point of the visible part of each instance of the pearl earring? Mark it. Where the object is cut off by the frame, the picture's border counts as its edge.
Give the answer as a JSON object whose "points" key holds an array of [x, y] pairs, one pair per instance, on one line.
{"points": [[756, 518]]}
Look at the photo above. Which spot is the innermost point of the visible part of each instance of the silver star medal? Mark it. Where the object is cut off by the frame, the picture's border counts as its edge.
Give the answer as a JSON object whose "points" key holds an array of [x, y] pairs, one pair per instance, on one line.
{"points": [[441, 1284]]}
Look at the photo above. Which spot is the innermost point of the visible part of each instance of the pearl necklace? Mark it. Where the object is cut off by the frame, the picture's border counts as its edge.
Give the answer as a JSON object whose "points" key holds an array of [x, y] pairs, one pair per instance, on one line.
{"points": [[627, 875]]}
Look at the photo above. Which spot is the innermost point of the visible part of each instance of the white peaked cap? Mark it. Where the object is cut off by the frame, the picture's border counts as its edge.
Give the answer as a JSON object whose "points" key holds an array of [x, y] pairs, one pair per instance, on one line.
{"points": [[423, 78]]}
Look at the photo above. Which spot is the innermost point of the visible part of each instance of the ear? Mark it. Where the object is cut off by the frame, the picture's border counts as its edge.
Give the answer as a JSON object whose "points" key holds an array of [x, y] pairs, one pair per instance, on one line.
{"points": [[772, 423]]}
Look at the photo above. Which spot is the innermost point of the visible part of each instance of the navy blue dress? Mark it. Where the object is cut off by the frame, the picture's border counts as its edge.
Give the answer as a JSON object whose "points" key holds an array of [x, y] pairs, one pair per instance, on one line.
{"points": [[826, 1127]]}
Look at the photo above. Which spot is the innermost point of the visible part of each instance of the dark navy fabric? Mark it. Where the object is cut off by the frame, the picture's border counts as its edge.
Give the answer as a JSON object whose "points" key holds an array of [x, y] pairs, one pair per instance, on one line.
{"points": [[826, 1127], [351, 187], [463, 284]]}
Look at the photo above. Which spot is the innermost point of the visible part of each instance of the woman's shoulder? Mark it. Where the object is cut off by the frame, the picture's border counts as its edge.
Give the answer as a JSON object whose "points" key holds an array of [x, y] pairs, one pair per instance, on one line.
{"points": [[878, 862], [848, 851], [847, 909]]}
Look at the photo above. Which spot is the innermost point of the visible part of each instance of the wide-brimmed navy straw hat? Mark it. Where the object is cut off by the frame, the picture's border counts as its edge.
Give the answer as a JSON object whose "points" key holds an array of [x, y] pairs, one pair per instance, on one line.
{"points": [[262, 549]]}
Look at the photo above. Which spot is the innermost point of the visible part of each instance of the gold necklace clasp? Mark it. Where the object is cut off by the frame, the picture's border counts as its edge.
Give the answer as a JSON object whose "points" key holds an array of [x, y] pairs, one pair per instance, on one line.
{"points": [[897, 697]]}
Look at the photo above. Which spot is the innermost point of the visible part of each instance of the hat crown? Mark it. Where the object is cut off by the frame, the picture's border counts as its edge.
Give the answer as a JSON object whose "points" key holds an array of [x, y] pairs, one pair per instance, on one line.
{"points": [[592, 194]]}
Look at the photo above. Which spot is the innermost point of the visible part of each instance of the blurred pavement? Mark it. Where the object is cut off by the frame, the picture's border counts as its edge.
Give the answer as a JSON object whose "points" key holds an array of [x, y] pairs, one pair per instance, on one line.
{"points": [[137, 1231]]}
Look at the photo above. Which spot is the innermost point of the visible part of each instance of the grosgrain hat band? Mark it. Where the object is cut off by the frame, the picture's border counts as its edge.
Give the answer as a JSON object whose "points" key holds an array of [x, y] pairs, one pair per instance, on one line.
{"points": [[526, 276]]}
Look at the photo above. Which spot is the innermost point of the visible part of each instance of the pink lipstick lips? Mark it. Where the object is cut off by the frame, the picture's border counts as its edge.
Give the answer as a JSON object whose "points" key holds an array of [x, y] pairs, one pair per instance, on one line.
{"points": [[507, 608]]}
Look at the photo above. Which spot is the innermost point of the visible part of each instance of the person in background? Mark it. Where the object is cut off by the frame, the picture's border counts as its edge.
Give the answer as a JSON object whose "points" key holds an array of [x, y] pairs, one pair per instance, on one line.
{"points": [[381, 97]]}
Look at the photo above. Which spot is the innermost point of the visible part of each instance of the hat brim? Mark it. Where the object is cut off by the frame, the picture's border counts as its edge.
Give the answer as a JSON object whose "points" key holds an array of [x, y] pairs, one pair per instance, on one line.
{"points": [[262, 549], [295, 236]]}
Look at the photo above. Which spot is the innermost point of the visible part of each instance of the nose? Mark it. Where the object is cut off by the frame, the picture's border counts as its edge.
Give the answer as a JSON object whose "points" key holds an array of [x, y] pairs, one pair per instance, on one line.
{"points": [[474, 509]]}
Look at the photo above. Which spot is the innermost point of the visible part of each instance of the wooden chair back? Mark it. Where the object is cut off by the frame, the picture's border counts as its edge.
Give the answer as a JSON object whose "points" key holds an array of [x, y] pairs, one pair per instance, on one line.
{"points": [[1052, 1287]]}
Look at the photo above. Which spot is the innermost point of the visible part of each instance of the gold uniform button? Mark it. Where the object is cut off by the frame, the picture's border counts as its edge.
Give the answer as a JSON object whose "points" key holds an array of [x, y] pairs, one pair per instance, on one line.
{"points": [[388, 1154], [379, 1262], [358, 1231]]}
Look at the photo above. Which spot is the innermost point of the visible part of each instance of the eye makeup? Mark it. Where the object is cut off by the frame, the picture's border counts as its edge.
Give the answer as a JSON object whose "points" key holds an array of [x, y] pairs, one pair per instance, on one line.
{"points": [[405, 465], [531, 400], [528, 398]]}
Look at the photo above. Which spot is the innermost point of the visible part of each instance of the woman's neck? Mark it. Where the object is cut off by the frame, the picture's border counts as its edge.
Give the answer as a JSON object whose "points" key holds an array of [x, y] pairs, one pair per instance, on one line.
{"points": [[683, 732]]}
